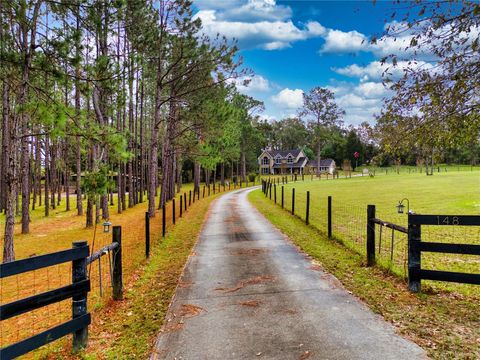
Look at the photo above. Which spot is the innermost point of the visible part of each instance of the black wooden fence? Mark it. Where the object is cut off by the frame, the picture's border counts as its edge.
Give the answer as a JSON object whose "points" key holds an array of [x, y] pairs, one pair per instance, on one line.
{"points": [[78, 290], [78, 325], [415, 245]]}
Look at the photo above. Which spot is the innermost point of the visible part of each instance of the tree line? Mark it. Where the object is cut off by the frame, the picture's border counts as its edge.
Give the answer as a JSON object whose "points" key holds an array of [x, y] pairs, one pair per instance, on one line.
{"points": [[104, 97], [117, 101]]}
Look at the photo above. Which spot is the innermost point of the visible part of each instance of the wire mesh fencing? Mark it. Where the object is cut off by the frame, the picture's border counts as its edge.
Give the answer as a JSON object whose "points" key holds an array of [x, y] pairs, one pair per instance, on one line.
{"points": [[53, 239], [350, 222]]}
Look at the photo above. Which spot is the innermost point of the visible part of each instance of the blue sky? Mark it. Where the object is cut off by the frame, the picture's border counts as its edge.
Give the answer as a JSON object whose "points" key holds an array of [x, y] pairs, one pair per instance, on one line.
{"points": [[293, 46]]}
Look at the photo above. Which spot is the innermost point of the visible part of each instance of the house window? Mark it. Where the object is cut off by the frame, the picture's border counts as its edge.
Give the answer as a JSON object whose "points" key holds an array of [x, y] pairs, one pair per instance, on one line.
{"points": [[277, 160], [265, 161], [264, 170], [290, 160]]}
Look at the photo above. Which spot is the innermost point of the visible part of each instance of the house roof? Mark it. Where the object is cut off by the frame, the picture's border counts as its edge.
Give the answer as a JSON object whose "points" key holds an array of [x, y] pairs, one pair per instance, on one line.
{"points": [[284, 153], [288, 166], [323, 162]]}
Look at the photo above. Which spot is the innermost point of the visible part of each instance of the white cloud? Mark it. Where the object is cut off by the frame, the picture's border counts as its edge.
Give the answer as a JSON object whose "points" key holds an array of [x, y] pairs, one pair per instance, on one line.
{"points": [[253, 10], [257, 24], [269, 35], [290, 99], [376, 69], [251, 84], [337, 41], [354, 100], [372, 90], [259, 9], [361, 101], [315, 28]]}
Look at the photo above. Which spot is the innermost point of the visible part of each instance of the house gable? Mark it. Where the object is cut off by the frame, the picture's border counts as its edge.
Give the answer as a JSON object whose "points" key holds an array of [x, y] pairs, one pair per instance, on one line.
{"points": [[263, 154]]}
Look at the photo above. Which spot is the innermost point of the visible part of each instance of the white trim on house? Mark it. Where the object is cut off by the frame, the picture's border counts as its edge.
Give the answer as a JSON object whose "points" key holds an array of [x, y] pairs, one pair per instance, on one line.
{"points": [[280, 164]]}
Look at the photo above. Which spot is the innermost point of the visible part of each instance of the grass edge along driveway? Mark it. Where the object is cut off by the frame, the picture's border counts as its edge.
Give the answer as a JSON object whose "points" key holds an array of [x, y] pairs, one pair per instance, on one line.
{"points": [[446, 325], [128, 329]]}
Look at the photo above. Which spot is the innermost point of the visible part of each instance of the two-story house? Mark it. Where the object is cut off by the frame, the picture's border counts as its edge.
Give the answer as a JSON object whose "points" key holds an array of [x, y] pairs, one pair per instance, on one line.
{"points": [[272, 162]]}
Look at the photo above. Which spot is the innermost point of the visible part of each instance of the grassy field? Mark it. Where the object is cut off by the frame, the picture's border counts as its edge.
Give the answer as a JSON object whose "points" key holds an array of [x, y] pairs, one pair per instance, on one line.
{"points": [[57, 232], [447, 193], [446, 324], [363, 170]]}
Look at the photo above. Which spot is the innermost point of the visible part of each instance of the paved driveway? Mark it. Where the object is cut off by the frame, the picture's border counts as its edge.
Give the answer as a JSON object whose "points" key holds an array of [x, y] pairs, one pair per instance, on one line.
{"points": [[248, 293]]}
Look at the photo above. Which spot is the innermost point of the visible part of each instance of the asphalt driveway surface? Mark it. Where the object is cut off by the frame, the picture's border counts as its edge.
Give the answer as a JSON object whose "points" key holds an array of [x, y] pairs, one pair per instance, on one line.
{"points": [[248, 293]]}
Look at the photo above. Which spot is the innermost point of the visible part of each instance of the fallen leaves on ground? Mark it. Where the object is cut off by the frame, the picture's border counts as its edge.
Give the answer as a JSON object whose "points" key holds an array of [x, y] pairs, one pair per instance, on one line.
{"points": [[250, 303], [251, 281], [189, 310]]}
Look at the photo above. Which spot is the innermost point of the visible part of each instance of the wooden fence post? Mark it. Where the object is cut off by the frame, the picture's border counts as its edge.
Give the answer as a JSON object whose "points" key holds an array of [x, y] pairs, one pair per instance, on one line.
{"points": [[370, 235], [184, 202], [283, 197], [329, 223], [203, 191], [414, 256], [164, 216], [208, 189], [270, 191], [173, 210], [117, 282], [190, 198], [198, 193], [275, 193], [293, 201], [147, 235], [79, 302], [181, 206], [307, 215]]}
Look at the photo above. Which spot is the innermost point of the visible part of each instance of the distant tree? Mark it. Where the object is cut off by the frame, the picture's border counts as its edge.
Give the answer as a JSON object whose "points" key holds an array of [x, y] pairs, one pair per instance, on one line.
{"points": [[437, 105], [320, 109], [291, 133], [308, 152], [353, 144], [448, 32]]}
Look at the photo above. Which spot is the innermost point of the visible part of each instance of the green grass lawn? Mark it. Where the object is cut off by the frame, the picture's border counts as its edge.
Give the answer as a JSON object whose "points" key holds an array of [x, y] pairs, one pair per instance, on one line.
{"points": [[445, 193], [446, 324]]}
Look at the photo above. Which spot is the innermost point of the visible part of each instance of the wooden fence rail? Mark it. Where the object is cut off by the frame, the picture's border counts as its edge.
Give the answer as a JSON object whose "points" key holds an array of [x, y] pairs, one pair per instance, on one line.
{"points": [[78, 290], [415, 245]]}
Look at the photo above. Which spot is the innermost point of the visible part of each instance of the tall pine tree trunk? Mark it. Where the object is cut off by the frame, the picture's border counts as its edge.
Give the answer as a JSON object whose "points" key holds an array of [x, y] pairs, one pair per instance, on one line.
{"points": [[5, 143], [196, 177], [78, 153], [319, 149], [152, 169], [47, 176], [178, 179], [9, 156], [222, 173], [168, 154], [243, 167]]}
